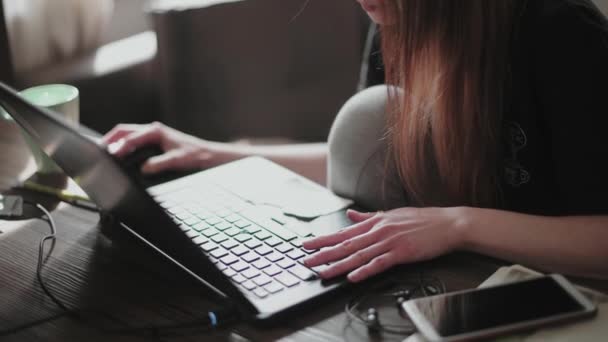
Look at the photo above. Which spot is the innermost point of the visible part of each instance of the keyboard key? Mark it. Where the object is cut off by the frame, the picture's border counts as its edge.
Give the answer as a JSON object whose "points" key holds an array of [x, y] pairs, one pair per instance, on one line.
{"points": [[302, 272], [240, 266], [262, 235], [229, 244], [230, 260], [273, 287], [199, 240], [232, 231], [183, 215], [252, 229], [242, 224], [249, 256], [250, 273], [286, 263], [287, 279], [239, 279], [218, 253], [209, 246], [284, 248], [273, 241], [261, 293], [199, 227], [275, 256], [309, 251], [272, 270], [249, 285], [213, 220], [243, 237], [261, 264], [232, 218], [262, 280], [263, 250], [219, 238], [296, 254], [192, 208], [239, 250], [229, 272], [253, 244], [167, 204], [281, 231], [192, 221], [191, 234], [184, 227], [221, 267], [320, 268], [176, 210], [223, 226], [297, 243], [210, 232], [203, 214], [257, 217]]}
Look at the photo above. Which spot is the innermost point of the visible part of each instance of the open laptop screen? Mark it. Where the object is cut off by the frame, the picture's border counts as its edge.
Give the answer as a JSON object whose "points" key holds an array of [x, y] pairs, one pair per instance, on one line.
{"points": [[110, 186]]}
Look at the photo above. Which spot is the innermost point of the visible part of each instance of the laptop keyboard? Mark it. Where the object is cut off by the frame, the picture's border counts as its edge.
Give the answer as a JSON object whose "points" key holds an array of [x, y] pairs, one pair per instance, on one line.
{"points": [[257, 252]]}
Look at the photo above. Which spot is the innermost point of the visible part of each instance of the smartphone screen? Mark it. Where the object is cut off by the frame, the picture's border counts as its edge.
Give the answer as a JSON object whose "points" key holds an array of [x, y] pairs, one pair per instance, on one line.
{"points": [[481, 309]]}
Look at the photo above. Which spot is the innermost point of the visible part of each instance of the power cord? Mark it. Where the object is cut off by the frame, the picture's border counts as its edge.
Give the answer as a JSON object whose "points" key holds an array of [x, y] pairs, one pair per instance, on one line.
{"points": [[369, 316], [214, 319]]}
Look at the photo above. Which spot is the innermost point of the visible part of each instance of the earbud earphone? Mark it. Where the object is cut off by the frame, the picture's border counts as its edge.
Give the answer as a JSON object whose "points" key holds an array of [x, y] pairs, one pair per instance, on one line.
{"points": [[371, 316]]}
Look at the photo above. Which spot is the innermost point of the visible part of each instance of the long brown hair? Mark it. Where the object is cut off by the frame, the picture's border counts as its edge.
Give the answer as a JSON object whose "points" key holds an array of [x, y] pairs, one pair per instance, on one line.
{"points": [[448, 61]]}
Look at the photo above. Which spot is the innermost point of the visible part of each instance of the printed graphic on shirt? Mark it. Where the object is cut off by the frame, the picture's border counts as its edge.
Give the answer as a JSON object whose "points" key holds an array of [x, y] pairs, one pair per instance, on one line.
{"points": [[514, 172]]}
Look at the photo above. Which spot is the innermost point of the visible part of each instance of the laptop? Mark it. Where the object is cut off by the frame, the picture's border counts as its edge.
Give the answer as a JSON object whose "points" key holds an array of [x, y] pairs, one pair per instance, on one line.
{"points": [[237, 228]]}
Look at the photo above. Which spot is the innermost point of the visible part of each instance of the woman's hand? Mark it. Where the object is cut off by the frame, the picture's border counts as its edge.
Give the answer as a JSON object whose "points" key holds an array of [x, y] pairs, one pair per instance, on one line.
{"points": [[380, 240], [182, 151]]}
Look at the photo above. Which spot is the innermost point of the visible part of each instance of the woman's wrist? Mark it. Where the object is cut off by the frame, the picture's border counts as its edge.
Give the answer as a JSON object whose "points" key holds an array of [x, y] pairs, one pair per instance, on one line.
{"points": [[211, 153], [466, 219]]}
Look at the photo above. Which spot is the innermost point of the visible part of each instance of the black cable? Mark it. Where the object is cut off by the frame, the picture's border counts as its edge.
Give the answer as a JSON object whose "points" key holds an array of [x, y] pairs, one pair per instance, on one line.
{"points": [[214, 320], [41, 262]]}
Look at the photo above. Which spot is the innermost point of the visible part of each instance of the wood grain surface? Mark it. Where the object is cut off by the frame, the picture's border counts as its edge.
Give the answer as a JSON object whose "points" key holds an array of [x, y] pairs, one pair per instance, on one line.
{"points": [[117, 287]]}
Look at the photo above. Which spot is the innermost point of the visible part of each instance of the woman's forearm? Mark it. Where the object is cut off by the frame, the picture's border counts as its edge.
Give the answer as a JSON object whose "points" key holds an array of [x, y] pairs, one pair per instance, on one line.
{"points": [[576, 245], [309, 160]]}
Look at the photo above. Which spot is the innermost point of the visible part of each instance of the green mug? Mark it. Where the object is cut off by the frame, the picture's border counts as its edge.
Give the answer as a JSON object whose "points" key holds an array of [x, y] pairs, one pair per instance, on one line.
{"points": [[60, 98]]}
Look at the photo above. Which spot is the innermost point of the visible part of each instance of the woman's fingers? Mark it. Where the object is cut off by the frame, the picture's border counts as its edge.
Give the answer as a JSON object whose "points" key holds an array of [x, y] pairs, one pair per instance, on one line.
{"points": [[172, 160], [342, 235], [151, 135], [342, 250], [118, 132], [356, 260], [377, 265], [357, 216]]}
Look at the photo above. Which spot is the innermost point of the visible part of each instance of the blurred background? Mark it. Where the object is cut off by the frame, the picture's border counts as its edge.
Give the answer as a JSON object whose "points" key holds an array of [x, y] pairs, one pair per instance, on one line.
{"points": [[219, 69]]}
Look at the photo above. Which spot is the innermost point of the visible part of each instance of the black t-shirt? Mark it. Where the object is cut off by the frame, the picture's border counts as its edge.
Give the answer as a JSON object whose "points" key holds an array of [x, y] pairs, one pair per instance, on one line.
{"points": [[555, 136]]}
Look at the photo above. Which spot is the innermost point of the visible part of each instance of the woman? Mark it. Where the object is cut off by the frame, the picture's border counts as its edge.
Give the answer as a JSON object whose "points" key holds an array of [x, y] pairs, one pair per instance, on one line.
{"points": [[494, 128]]}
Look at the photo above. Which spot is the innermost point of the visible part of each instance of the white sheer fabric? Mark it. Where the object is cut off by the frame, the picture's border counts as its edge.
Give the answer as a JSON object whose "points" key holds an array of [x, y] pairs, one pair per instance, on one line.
{"points": [[44, 31]]}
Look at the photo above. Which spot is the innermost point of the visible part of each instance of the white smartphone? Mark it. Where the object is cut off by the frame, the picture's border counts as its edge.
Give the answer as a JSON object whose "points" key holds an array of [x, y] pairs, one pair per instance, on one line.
{"points": [[494, 311]]}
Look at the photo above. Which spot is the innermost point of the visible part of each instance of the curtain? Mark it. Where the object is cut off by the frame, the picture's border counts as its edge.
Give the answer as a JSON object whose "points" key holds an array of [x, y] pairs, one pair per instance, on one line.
{"points": [[45, 31]]}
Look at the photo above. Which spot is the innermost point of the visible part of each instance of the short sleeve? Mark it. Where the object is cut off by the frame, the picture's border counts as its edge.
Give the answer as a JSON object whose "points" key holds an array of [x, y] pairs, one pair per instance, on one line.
{"points": [[571, 75]]}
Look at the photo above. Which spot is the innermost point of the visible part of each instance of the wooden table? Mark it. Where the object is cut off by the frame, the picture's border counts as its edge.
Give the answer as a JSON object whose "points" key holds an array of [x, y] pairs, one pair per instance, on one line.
{"points": [[121, 285], [118, 288]]}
